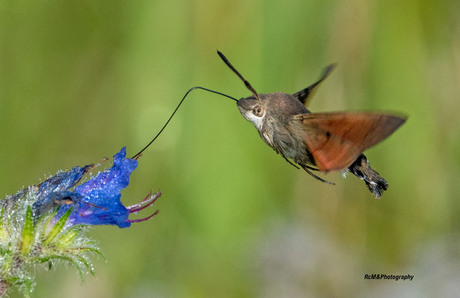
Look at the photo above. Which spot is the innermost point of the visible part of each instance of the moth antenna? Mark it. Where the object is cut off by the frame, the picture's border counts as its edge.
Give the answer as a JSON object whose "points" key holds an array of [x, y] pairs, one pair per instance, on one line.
{"points": [[136, 156], [246, 83]]}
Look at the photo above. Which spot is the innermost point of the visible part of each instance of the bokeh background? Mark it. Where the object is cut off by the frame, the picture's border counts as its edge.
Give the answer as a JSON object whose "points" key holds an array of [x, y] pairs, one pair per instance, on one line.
{"points": [[81, 79]]}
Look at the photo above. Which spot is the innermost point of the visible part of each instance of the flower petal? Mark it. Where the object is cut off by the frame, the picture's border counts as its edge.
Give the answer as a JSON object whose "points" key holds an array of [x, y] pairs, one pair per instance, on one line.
{"points": [[54, 188], [98, 200]]}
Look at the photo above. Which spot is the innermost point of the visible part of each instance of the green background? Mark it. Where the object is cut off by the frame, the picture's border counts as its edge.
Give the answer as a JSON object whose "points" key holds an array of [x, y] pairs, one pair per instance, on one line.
{"points": [[81, 79]]}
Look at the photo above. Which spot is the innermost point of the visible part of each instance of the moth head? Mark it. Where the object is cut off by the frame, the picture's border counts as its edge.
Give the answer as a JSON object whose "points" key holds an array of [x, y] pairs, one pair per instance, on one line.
{"points": [[252, 110]]}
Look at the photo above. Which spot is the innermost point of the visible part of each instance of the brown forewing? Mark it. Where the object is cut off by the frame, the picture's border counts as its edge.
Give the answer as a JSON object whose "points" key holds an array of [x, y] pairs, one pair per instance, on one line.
{"points": [[335, 140]]}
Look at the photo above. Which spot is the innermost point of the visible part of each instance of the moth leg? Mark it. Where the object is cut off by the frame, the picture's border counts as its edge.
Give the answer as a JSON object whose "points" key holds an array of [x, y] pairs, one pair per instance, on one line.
{"points": [[306, 168], [290, 162], [312, 168]]}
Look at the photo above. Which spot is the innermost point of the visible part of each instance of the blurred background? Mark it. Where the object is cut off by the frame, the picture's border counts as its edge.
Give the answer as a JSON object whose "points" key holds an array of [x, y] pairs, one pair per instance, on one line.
{"points": [[81, 79]]}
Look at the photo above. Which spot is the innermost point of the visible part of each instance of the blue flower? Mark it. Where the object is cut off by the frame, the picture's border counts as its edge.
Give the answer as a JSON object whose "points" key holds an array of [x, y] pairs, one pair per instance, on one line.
{"points": [[42, 223], [53, 190], [95, 202]]}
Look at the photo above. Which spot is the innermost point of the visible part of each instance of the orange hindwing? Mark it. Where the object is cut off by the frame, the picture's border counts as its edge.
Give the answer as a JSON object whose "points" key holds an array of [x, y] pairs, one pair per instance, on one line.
{"points": [[336, 139]]}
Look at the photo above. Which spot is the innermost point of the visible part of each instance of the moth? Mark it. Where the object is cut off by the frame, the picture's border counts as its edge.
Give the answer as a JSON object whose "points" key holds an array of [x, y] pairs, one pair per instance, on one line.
{"points": [[321, 142]]}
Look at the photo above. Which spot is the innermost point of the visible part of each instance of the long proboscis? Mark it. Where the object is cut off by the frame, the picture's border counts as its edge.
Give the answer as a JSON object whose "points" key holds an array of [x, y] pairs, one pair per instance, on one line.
{"points": [[173, 113]]}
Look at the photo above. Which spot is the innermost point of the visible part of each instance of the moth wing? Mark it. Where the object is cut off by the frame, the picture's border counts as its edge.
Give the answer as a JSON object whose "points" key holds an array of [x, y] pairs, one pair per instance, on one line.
{"points": [[304, 95], [335, 140]]}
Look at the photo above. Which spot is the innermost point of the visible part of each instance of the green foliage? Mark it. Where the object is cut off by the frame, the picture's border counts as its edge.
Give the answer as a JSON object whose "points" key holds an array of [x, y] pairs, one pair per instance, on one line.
{"points": [[25, 244]]}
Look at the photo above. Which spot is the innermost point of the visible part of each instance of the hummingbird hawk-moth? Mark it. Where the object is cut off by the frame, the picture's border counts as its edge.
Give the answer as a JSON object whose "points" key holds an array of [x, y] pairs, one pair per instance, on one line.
{"points": [[318, 141], [321, 142]]}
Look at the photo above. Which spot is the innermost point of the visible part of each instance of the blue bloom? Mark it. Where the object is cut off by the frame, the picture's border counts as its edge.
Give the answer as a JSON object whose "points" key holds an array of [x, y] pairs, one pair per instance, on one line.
{"points": [[36, 223], [95, 202], [54, 189]]}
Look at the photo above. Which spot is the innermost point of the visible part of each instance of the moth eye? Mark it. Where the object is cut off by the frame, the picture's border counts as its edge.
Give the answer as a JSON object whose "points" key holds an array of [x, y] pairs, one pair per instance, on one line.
{"points": [[258, 111]]}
